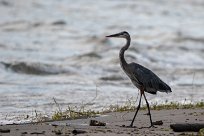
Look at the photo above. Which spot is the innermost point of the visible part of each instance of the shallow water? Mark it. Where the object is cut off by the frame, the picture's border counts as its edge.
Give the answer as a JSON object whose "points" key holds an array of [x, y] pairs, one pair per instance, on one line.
{"points": [[58, 49]]}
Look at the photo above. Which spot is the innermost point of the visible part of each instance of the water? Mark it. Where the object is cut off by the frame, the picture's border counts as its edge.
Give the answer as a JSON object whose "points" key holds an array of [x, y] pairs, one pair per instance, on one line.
{"points": [[58, 49]]}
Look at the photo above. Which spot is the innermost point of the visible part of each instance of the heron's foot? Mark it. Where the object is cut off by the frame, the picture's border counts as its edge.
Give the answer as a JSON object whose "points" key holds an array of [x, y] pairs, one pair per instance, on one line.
{"points": [[152, 126], [131, 126]]}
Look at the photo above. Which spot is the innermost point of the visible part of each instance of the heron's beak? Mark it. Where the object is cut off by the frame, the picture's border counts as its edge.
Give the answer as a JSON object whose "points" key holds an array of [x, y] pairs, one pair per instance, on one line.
{"points": [[114, 35]]}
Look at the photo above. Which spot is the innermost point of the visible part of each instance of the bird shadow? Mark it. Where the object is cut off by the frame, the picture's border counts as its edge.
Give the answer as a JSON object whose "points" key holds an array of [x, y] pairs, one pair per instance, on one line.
{"points": [[124, 126]]}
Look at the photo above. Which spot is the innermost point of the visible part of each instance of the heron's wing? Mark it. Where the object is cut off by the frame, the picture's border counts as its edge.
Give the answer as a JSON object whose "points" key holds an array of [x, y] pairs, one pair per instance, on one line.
{"points": [[148, 79]]}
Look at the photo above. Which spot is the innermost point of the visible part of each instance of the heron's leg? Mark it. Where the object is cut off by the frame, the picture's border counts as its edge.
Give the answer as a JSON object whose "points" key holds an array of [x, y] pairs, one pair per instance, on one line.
{"points": [[148, 111], [138, 107]]}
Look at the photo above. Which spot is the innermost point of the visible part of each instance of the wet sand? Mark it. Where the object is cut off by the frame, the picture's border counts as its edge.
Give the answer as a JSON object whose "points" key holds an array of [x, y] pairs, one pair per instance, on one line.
{"points": [[114, 122]]}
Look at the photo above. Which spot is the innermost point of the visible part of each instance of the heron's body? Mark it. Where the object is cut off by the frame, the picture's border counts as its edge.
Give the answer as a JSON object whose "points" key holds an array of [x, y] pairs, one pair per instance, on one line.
{"points": [[148, 80], [144, 79]]}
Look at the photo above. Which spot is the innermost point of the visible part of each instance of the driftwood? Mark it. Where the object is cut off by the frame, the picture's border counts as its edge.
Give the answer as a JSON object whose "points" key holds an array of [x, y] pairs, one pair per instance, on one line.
{"points": [[96, 123], [160, 122], [4, 130], [75, 132], [194, 127]]}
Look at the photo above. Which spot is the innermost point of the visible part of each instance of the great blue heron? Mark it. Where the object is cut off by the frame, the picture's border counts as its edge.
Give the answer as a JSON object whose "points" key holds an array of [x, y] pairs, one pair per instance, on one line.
{"points": [[144, 79]]}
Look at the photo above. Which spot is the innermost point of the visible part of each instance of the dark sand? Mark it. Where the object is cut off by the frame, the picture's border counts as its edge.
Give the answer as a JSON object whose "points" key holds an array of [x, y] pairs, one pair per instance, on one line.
{"points": [[114, 122]]}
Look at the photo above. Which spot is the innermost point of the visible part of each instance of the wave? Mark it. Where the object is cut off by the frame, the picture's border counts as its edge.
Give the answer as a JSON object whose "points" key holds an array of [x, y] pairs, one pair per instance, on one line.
{"points": [[34, 68], [111, 78], [90, 55]]}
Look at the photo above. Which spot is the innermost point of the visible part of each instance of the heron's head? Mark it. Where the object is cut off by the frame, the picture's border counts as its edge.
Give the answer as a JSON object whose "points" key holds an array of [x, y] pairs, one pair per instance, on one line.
{"points": [[123, 34]]}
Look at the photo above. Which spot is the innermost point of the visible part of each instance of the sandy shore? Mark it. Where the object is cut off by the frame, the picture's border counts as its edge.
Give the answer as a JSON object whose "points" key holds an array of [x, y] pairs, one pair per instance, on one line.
{"points": [[114, 122]]}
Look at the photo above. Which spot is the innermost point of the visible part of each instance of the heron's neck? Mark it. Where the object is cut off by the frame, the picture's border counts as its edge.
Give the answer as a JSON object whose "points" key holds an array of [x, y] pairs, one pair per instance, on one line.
{"points": [[122, 51]]}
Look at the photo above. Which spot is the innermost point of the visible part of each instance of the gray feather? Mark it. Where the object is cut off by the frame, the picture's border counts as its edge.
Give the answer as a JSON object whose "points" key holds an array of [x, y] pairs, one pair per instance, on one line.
{"points": [[146, 78]]}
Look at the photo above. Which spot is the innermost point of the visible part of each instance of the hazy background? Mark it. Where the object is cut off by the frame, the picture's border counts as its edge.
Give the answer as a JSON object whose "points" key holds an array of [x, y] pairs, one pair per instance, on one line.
{"points": [[57, 48]]}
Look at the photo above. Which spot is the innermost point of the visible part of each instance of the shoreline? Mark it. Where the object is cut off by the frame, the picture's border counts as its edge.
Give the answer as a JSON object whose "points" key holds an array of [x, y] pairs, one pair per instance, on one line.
{"points": [[77, 113], [114, 121]]}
